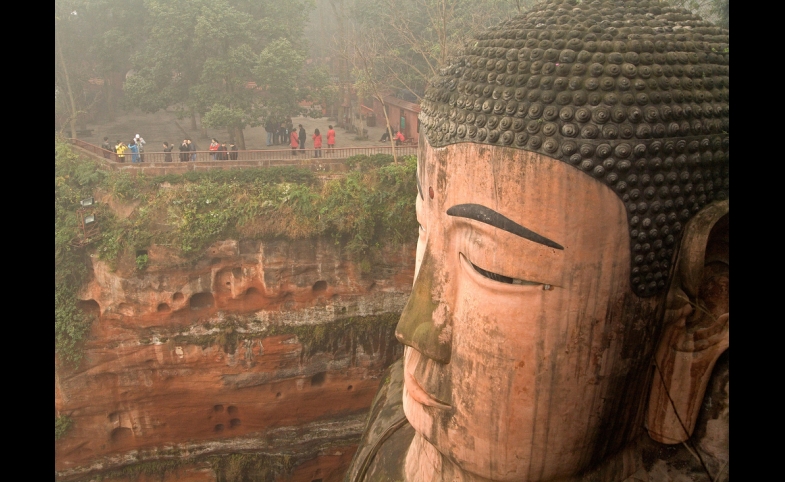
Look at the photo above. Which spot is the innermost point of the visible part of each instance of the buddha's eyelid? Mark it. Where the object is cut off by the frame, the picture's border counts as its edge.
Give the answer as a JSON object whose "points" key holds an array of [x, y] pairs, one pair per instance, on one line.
{"points": [[492, 218]]}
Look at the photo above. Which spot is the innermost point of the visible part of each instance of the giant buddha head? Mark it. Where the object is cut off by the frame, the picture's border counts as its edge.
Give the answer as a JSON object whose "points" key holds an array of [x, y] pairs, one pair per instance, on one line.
{"points": [[571, 278]]}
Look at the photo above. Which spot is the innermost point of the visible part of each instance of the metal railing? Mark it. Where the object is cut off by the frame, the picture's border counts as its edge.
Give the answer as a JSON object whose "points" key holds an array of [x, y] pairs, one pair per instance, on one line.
{"points": [[285, 156]]}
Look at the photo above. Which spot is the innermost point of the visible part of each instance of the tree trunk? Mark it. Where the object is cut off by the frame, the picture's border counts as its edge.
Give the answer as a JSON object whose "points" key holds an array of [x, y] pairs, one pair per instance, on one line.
{"points": [[109, 99], [240, 139], [389, 129], [230, 131], [193, 120], [72, 104], [201, 126]]}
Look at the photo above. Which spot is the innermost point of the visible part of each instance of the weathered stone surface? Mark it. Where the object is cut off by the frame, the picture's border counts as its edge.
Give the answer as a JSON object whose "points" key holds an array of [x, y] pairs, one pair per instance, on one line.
{"points": [[265, 347]]}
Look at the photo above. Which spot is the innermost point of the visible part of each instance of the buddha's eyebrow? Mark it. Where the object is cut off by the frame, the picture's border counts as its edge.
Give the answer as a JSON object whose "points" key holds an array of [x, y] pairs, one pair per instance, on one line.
{"points": [[491, 217]]}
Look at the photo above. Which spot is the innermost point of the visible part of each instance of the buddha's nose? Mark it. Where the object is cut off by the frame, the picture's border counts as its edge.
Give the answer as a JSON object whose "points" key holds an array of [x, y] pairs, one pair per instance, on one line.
{"points": [[417, 327]]}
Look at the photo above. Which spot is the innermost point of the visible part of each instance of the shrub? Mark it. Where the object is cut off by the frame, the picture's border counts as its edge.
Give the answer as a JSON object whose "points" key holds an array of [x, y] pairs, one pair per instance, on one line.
{"points": [[63, 424]]}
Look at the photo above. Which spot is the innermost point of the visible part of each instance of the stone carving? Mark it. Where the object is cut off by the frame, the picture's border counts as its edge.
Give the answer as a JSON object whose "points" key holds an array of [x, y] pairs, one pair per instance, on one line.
{"points": [[635, 94], [572, 263]]}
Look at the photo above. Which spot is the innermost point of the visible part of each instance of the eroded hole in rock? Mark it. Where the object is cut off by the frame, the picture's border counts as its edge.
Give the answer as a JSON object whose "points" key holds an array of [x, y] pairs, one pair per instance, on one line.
{"points": [[232, 410], [201, 300], [219, 427], [163, 307], [114, 417], [89, 306], [177, 297], [317, 480], [318, 379], [121, 434], [320, 285], [125, 309], [141, 252], [343, 309], [252, 292], [237, 272], [235, 422], [349, 387], [372, 286], [218, 408], [278, 395]]}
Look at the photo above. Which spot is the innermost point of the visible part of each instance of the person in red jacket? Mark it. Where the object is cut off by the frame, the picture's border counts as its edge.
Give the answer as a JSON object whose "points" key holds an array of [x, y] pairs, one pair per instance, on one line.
{"points": [[294, 141], [317, 143], [399, 138], [331, 138], [214, 145]]}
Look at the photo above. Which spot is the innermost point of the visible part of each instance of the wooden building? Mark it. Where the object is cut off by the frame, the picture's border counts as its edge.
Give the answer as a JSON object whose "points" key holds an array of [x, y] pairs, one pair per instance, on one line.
{"points": [[402, 115]]}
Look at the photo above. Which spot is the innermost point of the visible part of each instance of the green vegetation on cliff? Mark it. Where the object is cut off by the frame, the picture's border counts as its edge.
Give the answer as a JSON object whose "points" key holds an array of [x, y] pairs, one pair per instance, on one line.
{"points": [[371, 207], [63, 424], [75, 179]]}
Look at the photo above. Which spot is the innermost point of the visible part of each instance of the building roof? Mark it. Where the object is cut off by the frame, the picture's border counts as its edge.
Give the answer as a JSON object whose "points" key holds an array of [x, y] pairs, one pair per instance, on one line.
{"points": [[403, 104]]}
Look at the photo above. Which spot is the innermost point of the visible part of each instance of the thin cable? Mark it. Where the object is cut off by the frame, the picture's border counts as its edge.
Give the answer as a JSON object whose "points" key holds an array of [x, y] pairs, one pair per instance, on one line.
{"points": [[683, 427]]}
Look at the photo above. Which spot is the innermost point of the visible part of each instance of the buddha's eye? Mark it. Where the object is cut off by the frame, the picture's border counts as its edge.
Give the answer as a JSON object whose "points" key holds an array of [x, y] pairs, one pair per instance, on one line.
{"points": [[501, 278]]}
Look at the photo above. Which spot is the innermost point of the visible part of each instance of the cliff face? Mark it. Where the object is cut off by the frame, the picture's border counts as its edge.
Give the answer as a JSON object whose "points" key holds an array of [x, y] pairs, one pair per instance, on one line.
{"points": [[268, 347]]}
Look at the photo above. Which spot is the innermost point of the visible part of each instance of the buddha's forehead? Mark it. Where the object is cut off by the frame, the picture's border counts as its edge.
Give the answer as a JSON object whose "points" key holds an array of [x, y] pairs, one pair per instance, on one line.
{"points": [[527, 187], [632, 94]]}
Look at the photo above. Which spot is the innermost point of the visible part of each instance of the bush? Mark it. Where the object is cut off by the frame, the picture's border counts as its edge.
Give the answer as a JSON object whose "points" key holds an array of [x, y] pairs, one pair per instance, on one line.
{"points": [[75, 179], [62, 425], [142, 261]]}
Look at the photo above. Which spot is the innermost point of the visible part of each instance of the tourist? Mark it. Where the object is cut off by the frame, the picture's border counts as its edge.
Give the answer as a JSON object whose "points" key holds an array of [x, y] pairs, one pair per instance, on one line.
{"points": [[399, 138], [222, 154], [213, 148], [294, 141], [317, 143], [105, 145], [134, 151], [192, 147], [184, 151], [120, 149], [168, 152], [301, 135], [232, 152], [331, 138], [386, 135], [269, 127], [283, 134], [139, 140]]}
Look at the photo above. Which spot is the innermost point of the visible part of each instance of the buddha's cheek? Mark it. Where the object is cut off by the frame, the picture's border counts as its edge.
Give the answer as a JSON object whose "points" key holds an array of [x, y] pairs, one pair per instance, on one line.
{"points": [[493, 370]]}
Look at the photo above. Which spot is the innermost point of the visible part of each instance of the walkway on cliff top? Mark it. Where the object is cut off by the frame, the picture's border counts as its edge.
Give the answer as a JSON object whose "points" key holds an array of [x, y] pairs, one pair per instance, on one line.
{"points": [[332, 160]]}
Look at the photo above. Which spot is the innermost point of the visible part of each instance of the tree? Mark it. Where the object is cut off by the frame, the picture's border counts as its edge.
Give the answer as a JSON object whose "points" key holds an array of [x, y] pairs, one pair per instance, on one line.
{"points": [[416, 38], [200, 55], [279, 70], [93, 40]]}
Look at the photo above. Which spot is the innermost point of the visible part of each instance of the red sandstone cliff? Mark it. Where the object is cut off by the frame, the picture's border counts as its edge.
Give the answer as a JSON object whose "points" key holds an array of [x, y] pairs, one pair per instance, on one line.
{"points": [[261, 347]]}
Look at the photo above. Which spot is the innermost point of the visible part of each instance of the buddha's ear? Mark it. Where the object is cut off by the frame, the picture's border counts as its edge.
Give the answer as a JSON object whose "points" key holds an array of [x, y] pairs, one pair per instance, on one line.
{"points": [[696, 326]]}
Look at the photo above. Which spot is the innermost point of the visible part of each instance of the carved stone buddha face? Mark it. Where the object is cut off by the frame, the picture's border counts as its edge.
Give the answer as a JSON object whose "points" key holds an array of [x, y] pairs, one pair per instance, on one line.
{"points": [[572, 170], [524, 342]]}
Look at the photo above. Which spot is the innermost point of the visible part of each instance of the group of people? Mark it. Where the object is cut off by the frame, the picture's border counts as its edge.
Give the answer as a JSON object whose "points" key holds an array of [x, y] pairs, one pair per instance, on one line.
{"points": [[297, 140], [220, 152], [134, 149], [397, 135]]}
